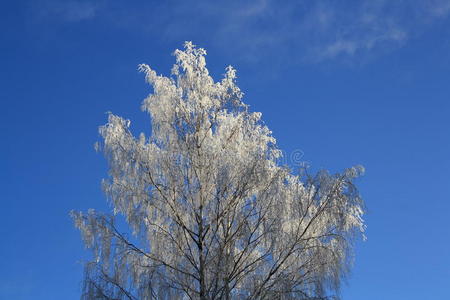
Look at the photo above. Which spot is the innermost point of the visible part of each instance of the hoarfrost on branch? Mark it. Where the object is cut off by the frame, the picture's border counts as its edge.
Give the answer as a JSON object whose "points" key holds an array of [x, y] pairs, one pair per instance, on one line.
{"points": [[212, 214]]}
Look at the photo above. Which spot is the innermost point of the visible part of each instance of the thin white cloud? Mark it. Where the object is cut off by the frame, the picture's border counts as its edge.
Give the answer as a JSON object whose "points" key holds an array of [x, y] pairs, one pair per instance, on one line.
{"points": [[68, 10], [309, 31], [252, 30], [360, 32], [368, 43], [438, 8]]}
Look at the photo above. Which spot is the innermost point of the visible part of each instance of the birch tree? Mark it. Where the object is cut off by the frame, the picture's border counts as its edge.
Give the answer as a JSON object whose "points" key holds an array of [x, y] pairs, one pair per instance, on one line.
{"points": [[210, 212]]}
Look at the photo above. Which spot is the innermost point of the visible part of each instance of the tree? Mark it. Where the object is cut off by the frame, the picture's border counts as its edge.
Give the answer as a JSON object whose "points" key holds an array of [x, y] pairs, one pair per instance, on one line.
{"points": [[212, 214]]}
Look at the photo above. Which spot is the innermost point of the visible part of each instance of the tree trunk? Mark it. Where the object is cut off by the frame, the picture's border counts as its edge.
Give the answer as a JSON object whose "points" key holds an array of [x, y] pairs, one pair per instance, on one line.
{"points": [[202, 271]]}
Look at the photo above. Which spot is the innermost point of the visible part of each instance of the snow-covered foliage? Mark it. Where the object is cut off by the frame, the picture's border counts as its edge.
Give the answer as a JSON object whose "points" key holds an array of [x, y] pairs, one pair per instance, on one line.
{"points": [[212, 215]]}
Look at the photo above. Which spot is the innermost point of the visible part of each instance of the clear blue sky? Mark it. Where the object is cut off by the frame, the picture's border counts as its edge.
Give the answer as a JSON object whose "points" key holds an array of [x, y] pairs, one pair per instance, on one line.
{"points": [[347, 82]]}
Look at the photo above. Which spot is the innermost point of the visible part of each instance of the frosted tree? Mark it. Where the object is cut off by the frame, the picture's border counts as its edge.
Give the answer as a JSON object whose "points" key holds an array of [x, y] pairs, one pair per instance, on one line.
{"points": [[210, 212]]}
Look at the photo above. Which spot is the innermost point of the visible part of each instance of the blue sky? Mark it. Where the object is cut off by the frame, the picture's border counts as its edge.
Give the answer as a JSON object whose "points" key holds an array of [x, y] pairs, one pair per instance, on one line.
{"points": [[347, 82]]}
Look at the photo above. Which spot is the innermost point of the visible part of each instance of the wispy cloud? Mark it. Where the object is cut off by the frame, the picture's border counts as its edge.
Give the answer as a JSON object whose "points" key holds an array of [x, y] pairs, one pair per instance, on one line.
{"points": [[334, 31], [68, 10], [306, 31], [438, 8], [311, 31]]}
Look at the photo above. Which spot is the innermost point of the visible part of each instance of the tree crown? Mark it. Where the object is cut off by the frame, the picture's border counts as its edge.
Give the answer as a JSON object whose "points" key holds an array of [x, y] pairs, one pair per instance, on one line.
{"points": [[213, 215]]}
